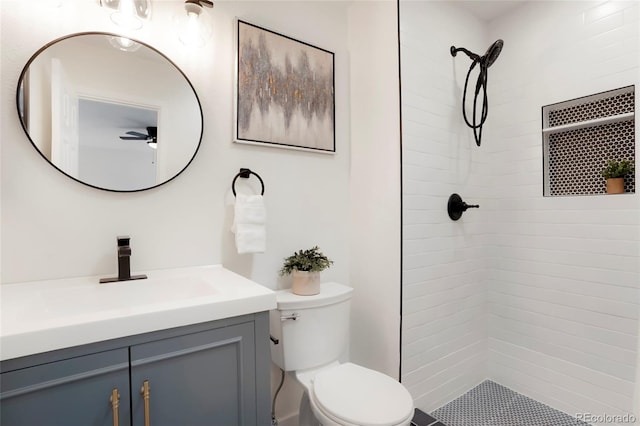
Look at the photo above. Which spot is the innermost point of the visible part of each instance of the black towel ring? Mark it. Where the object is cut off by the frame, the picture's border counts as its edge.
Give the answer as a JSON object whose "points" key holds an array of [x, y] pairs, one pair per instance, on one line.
{"points": [[246, 173]]}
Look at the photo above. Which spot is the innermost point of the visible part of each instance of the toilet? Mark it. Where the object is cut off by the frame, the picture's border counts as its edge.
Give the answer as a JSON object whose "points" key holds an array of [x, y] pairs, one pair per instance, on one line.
{"points": [[312, 333]]}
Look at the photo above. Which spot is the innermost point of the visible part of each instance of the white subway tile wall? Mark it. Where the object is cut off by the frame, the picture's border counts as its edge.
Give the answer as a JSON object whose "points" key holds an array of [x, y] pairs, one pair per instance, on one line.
{"points": [[444, 262], [538, 294], [564, 276]]}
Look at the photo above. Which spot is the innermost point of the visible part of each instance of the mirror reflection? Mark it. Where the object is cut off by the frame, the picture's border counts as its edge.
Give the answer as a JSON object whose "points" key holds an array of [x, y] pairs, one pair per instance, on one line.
{"points": [[109, 112]]}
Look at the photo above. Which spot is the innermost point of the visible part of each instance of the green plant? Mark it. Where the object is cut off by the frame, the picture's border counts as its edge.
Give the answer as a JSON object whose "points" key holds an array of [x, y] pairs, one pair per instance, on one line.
{"points": [[617, 169], [311, 260]]}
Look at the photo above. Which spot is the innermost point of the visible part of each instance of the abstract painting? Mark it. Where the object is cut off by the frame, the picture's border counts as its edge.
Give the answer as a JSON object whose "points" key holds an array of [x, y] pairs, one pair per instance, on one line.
{"points": [[284, 91]]}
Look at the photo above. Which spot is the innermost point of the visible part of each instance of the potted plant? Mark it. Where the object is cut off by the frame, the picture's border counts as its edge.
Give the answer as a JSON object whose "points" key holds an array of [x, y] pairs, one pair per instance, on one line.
{"points": [[614, 173], [305, 267]]}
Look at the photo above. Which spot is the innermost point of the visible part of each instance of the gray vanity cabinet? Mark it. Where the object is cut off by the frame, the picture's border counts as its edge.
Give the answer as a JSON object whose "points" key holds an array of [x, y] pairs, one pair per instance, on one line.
{"points": [[206, 378], [213, 374], [74, 391]]}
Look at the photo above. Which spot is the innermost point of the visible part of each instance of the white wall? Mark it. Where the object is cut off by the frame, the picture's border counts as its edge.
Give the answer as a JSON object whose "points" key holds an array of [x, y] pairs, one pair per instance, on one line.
{"points": [[53, 227], [564, 275], [561, 274], [58, 228], [375, 185], [444, 308]]}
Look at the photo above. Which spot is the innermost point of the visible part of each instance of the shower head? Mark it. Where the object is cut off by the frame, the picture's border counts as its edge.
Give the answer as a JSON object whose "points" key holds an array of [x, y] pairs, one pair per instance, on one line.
{"points": [[485, 62], [492, 53], [489, 57]]}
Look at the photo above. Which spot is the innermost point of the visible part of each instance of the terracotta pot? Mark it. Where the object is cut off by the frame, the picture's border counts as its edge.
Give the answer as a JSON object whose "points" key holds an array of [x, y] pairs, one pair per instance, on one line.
{"points": [[615, 186], [306, 283]]}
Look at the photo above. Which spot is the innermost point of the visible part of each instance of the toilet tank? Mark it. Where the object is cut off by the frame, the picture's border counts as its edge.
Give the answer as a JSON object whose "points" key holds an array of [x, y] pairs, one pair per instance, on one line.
{"points": [[311, 330]]}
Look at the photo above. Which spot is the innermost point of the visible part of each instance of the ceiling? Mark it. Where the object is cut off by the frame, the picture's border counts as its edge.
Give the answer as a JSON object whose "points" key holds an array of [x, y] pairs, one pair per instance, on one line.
{"points": [[491, 9]]}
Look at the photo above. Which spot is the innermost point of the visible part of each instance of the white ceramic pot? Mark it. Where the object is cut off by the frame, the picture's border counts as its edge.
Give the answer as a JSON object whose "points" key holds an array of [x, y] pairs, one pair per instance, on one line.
{"points": [[306, 283]]}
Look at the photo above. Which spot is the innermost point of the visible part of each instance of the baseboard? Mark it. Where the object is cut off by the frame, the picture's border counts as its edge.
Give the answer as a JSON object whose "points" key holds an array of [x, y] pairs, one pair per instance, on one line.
{"points": [[290, 420]]}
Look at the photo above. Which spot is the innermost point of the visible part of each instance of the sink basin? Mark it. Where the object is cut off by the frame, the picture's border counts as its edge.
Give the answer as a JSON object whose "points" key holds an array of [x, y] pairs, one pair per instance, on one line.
{"points": [[88, 299], [48, 315]]}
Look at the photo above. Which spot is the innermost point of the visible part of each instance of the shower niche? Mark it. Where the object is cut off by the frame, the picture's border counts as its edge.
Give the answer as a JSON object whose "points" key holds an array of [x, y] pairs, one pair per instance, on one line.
{"points": [[581, 135]]}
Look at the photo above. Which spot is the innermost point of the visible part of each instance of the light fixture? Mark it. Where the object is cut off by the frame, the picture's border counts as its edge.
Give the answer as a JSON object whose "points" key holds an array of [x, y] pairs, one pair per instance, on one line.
{"points": [[128, 14], [152, 143], [123, 43], [51, 3], [194, 26]]}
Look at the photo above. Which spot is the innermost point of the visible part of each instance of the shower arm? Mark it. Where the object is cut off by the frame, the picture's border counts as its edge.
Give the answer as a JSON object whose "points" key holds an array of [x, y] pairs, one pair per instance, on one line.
{"points": [[474, 57]]}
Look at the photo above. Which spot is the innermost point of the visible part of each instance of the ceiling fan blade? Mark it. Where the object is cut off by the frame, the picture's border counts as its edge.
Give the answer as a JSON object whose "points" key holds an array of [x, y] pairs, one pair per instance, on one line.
{"points": [[133, 138], [142, 135]]}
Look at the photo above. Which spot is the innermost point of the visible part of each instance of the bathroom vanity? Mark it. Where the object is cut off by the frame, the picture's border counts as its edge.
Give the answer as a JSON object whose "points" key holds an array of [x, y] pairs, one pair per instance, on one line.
{"points": [[194, 351]]}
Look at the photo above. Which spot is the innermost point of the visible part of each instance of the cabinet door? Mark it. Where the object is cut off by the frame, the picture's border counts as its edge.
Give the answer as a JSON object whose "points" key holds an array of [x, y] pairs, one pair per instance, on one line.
{"points": [[71, 392], [204, 378]]}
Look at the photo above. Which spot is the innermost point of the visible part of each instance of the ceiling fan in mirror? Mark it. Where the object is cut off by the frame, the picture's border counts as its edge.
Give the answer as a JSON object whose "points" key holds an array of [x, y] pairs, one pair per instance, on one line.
{"points": [[151, 137]]}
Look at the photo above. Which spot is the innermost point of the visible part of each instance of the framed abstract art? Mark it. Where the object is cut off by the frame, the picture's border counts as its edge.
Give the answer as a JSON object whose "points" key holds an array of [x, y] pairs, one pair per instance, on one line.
{"points": [[284, 92]]}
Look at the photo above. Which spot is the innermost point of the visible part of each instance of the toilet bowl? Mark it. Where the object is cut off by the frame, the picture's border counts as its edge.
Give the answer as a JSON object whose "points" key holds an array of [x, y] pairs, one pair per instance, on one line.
{"points": [[312, 334], [348, 394]]}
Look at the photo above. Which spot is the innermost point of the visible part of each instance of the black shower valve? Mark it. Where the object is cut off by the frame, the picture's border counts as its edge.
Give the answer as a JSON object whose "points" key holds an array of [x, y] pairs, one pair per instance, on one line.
{"points": [[455, 206]]}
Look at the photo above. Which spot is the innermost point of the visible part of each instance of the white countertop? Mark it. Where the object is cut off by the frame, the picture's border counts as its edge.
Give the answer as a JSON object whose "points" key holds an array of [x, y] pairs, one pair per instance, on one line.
{"points": [[42, 316]]}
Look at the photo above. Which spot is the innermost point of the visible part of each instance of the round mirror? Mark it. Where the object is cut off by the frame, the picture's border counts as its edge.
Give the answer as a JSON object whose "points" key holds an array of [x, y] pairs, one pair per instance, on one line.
{"points": [[109, 112]]}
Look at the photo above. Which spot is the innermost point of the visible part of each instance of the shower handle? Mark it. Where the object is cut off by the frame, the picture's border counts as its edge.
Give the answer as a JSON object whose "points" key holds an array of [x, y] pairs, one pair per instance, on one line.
{"points": [[455, 207]]}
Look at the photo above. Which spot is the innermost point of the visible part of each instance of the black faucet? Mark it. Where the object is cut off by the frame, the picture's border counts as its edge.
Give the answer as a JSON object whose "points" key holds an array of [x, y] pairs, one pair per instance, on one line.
{"points": [[124, 263], [124, 258]]}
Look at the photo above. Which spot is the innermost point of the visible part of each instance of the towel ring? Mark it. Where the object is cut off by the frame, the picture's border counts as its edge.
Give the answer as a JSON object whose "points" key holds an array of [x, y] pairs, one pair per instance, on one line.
{"points": [[246, 173]]}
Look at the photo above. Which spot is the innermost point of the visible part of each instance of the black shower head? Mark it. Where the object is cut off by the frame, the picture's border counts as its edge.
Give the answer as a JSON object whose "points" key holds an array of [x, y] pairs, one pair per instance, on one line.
{"points": [[493, 52], [489, 57], [485, 62]]}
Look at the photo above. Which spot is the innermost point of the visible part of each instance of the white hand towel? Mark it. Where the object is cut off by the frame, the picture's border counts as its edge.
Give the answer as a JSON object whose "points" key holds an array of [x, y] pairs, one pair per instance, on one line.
{"points": [[249, 223]]}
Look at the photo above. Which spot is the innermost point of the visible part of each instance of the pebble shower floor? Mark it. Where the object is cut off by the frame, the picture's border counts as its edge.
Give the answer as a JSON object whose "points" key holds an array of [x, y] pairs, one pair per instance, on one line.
{"points": [[491, 404]]}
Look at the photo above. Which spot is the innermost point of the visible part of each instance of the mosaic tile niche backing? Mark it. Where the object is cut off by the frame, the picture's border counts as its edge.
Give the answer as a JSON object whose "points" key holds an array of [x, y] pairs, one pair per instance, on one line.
{"points": [[576, 155], [613, 105]]}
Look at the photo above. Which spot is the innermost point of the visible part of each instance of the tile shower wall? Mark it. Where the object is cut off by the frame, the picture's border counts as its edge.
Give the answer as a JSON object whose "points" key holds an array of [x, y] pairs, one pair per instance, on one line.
{"points": [[538, 294], [444, 307], [564, 272]]}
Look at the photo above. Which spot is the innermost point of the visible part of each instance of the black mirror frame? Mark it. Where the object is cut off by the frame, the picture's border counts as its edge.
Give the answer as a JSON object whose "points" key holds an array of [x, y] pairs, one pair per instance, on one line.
{"points": [[107, 34]]}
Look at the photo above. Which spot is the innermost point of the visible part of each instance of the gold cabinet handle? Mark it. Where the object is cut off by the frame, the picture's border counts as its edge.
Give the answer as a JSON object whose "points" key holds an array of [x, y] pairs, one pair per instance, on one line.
{"points": [[115, 403], [144, 391]]}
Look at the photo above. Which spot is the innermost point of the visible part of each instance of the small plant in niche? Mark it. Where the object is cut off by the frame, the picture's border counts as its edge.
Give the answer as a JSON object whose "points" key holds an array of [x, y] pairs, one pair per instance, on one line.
{"points": [[614, 173], [617, 169], [305, 267]]}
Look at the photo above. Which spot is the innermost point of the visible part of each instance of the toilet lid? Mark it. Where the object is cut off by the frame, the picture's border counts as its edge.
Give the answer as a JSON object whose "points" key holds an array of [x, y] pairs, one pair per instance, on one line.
{"points": [[362, 396]]}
